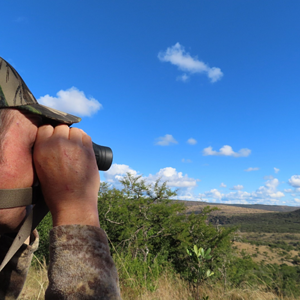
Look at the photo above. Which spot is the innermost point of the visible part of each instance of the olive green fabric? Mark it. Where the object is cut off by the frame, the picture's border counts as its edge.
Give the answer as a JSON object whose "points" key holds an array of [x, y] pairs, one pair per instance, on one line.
{"points": [[80, 267], [14, 93]]}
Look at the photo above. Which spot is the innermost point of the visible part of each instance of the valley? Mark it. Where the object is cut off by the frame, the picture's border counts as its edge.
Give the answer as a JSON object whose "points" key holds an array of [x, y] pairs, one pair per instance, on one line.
{"points": [[268, 234]]}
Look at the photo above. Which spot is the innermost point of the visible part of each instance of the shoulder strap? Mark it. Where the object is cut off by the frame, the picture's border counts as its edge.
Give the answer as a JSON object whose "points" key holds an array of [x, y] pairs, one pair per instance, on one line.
{"points": [[23, 197], [15, 197]]}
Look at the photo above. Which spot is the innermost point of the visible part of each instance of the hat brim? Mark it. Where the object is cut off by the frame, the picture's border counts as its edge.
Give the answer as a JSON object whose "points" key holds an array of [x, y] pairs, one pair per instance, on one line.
{"points": [[50, 113]]}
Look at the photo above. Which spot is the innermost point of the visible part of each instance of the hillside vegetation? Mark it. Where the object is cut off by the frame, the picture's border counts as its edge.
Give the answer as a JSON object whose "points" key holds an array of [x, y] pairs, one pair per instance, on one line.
{"points": [[164, 251], [267, 236], [225, 210], [288, 222], [260, 207]]}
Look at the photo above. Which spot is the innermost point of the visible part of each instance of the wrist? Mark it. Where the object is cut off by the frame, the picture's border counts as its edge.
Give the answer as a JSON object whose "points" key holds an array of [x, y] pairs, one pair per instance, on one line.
{"points": [[72, 216]]}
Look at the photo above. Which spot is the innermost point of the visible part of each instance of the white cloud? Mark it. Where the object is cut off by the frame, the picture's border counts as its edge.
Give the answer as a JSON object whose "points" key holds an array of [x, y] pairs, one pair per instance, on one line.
{"points": [[166, 140], [276, 170], [226, 151], [267, 194], [173, 178], [277, 194], [268, 190], [237, 187], [270, 185], [268, 177], [72, 101], [170, 175], [177, 56], [297, 200], [294, 181], [183, 78], [287, 190], [214, 193], [215, 74], [192, 141], [251, 169], [186, 160], [231, 197], [116, 172]]}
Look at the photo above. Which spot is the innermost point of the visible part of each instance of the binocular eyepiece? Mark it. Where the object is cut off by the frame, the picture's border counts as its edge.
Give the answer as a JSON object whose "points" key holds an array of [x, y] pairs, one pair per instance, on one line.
{"points": [[104, 157]]}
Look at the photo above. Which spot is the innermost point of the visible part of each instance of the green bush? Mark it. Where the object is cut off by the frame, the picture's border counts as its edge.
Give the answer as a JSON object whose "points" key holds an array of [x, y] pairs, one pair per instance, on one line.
{"points": [[148, 233], [136, 273], [142, 221], [44, 229]]}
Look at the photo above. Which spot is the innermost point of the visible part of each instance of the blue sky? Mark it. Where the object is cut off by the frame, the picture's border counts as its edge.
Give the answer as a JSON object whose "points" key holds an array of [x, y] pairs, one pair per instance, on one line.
{"points": [[204, 94]]}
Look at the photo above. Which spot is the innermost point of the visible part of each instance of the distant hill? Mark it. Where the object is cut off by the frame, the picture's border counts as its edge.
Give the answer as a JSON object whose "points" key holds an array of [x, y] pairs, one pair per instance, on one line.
{"points": [[277, 208], [282, 222], [251, 218]]}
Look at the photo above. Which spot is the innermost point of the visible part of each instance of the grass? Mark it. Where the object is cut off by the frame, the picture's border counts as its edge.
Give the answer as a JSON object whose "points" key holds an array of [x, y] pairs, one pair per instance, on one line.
{"points": [[278, 248], [169, 286], [36, 282], [174, 288], [267, 254]]}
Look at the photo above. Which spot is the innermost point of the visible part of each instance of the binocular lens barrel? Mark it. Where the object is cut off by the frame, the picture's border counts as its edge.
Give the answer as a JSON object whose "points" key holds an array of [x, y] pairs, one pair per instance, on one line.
{"points": [[104, 157]]}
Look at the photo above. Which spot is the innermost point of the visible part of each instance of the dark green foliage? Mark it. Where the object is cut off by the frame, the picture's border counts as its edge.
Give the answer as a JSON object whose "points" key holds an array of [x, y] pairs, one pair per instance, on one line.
{"points": [[136, 273], [276, 244], [285, 279], [148, 233], [267, 222], [275, 208], [296, 260], [44, 228], [142, 221], [282, 245], [198, 270], [242, 270]]}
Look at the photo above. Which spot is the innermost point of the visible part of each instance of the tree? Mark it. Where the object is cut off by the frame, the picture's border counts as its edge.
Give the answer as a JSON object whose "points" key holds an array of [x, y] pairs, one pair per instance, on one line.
{"points": [[143, 221]]}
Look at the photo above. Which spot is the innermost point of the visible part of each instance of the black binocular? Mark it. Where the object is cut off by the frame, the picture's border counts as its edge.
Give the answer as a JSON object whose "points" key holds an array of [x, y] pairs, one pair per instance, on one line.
{"points": [[104, 157]]}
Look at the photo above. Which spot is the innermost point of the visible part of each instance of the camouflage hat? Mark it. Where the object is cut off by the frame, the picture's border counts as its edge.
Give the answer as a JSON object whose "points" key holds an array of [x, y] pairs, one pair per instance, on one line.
{"points": [[14, 93]]}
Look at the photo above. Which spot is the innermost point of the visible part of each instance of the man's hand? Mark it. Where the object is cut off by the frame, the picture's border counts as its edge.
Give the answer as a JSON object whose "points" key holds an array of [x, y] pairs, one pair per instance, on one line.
{"points": [[66, 167]]}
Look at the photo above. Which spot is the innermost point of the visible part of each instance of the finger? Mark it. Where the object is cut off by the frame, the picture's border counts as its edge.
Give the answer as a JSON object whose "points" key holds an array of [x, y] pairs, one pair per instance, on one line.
{"points": [[87, 141], [61, 131], [76, 135], [44, 133]]}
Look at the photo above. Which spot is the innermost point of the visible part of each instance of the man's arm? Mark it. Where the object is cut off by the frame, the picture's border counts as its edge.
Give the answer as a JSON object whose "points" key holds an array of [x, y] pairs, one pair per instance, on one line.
{"points": [[81, 266], [80, 263]]}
